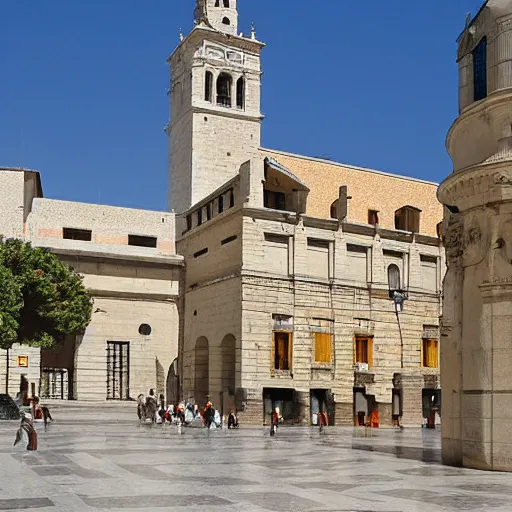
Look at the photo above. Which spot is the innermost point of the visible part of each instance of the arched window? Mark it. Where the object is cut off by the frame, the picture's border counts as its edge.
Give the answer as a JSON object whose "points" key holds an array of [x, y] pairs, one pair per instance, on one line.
{"points": [[224, 83], [217, 3], [393, 278], [226, 4], [240, 93], [208, 83], [226, 21], [480, 70]]}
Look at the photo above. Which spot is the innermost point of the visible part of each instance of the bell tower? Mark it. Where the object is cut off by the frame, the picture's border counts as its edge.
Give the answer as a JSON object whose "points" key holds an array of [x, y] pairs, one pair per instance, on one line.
{"points": [[215, 117]]}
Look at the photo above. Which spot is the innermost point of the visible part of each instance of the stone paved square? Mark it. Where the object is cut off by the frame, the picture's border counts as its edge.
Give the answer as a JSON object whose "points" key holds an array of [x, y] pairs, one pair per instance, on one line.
{"points": [[98, 457]]}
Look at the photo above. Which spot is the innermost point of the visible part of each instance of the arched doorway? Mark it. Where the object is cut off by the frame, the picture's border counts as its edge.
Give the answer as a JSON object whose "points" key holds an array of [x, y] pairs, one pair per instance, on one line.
{"points": [[228, 372], [173, 383], [201, 371]]}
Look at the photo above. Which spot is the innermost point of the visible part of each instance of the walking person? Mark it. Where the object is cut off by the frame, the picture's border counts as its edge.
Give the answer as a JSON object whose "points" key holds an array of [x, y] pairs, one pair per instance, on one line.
{"points": [[274, 421]]}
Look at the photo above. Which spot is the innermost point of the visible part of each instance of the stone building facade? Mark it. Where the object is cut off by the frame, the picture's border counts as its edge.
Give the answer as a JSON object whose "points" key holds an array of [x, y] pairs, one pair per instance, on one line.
{"points": [[477, 316], [295, 266], [129, 264]]}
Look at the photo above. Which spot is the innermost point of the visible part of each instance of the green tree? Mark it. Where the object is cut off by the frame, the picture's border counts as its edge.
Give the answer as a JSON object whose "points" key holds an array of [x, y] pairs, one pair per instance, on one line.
{"points": [[43, 300]]}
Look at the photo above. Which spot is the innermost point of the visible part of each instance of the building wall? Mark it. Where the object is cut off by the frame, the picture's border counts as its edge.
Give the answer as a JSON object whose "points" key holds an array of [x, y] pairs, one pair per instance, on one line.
{"points": [[368, 189], [150, 356], [212, 306], [12, 200], [31, 373], [351, 304], [110, 227]]}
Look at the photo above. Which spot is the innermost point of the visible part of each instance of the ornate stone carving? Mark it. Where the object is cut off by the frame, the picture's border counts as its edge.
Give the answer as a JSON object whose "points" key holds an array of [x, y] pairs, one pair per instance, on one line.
{"points": [[503, 178], [504, 242], [452, 239], [477, 237]]}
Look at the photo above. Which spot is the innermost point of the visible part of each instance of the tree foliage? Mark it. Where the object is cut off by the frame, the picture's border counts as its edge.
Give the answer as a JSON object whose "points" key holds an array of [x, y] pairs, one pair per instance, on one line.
{"points": [[41, 299]]}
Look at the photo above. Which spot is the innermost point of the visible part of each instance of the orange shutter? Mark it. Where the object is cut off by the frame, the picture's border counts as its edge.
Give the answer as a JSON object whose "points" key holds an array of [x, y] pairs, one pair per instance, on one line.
{"points": [[323, 347]]}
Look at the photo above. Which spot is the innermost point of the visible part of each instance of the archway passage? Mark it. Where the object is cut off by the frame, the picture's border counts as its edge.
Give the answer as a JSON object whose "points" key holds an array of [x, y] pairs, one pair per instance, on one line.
{"points": [[173, 384], [202, 371], [228, 372]]}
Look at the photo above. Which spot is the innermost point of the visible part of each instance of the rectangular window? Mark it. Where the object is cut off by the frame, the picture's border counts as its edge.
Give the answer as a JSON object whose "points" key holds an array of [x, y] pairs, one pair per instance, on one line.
{"points": [[428, 266], [199, 216], [189, 222], [142, 241], [480, 70], [373, 217], [231, 198], [430, 353], [275, 254], [322, 335], [357, 263], [228, 240], [201, 252], [318, 258], [282, 350], [220, 204], [323, 347], [363, 350], [274, 200], [77, 234], [208, 211], [282, 343]]}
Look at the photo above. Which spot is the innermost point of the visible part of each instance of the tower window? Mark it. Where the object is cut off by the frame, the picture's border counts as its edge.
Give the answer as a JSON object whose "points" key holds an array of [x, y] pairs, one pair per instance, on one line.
{"points": [[224, 83], [226, 4], [208, 83], [240, 93], [226, 21], [480, 70]]}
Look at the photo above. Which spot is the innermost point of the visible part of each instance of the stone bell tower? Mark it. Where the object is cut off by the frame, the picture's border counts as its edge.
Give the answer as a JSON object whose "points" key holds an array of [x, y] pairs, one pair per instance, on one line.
{"points": [[215, 117], [476, 343]]}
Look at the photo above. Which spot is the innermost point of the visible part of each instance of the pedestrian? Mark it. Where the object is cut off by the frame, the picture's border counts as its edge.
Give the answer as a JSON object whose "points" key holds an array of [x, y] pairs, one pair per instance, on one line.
{"points": [[274, 421], [232, 420]]}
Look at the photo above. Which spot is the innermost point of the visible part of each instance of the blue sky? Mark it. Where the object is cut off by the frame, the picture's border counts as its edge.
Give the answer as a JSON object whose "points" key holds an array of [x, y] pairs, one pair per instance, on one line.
{"points": [[83, 87]]}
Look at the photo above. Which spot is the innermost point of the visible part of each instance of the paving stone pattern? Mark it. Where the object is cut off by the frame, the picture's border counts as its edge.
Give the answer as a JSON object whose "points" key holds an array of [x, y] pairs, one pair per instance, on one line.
{"points": [[105, 460]]}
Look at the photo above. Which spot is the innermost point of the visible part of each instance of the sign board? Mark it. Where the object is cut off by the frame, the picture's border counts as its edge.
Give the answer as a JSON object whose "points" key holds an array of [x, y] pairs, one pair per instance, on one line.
{"points": [[23, 361]]}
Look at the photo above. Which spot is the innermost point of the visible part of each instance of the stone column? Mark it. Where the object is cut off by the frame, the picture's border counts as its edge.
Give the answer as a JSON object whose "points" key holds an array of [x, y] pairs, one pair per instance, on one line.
{"points": [[304, 407], [344, 414], [412, 406], [249, 406]]}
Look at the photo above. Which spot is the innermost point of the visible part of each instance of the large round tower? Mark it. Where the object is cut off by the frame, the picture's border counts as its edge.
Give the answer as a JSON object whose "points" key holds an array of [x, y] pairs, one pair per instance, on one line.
{"points": [[476, 348]]}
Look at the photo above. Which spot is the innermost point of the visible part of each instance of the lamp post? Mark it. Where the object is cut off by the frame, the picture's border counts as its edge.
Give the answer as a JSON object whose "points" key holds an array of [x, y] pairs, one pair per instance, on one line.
{"points": [[399, 297]]}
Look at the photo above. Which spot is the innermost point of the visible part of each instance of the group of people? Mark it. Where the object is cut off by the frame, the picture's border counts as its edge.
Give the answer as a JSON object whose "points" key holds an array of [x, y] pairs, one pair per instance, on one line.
{"points": [[187, 414]]}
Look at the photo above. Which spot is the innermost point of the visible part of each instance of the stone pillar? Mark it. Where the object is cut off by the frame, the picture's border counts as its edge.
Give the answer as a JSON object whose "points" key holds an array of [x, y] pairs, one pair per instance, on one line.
{"points": [[412, 406], [304, 407], [344, 414], [249, 406], [385, 414]]}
